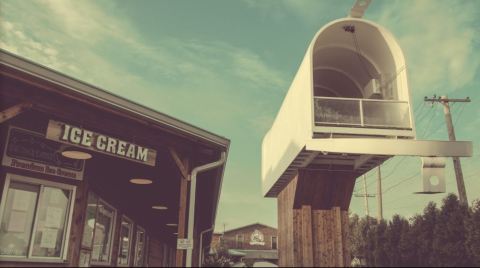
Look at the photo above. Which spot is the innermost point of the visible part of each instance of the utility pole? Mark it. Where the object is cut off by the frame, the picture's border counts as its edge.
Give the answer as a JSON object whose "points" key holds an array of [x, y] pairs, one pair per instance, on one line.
{"points": [[379, 196], [444, 100], [365, 195]]}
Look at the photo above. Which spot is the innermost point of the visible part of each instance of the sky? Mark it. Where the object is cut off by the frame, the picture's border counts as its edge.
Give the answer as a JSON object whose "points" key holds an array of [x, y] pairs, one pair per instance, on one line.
{"points": [[226, 66]]}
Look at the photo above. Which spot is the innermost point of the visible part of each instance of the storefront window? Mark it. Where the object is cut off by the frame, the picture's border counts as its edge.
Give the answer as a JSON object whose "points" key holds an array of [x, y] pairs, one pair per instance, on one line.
{"points": [[90, 219], [51, 222], [125, 242], [102, 240], [17, 219], [34, 206], [140, 245]]}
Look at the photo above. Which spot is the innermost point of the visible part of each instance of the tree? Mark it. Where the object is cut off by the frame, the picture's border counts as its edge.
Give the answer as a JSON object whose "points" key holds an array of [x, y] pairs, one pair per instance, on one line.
{"points": [[409, 243], [355, 237], [396, 229], [472, 226], [370, 244], [426, 228], [380, 252], [449, 235], [221, 258]]}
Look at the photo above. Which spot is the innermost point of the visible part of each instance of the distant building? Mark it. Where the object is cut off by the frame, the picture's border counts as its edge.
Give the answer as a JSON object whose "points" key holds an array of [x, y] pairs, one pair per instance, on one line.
{"points": [[258, 242]]}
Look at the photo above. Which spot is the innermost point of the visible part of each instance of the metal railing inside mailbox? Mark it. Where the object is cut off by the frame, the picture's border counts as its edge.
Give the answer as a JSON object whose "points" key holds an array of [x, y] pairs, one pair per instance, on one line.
{"points": [[350, 112]]}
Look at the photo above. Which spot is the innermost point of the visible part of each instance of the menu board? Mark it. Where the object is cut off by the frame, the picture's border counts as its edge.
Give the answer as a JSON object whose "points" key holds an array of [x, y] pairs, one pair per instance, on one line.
{"points": [[29, 150]]}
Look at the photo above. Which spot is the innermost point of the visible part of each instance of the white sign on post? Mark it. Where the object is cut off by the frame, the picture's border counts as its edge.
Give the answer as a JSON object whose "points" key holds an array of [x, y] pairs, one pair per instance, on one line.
{"points": [[184, 243]]}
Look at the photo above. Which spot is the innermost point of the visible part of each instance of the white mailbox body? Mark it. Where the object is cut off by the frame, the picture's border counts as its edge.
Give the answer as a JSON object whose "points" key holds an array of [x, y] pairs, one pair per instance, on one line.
{"points": [[347, 109]]}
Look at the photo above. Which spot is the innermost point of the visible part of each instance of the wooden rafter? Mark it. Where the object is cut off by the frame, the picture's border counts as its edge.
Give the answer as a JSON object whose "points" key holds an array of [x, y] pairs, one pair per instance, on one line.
{"points": [[178, 161], [13, 111]]}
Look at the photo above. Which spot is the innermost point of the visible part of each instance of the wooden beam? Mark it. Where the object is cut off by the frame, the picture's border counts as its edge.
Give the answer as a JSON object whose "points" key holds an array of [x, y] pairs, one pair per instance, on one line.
{"points": [[13, 111], [180, 165], [182, 215], [362, 159]]}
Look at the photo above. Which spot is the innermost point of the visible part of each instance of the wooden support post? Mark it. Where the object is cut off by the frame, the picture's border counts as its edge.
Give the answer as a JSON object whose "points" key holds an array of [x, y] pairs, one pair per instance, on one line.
{"points": [[14, 111], [182, 214], [313, 220], [379, 196], [462, 193], [78, 222], [444, 100]]}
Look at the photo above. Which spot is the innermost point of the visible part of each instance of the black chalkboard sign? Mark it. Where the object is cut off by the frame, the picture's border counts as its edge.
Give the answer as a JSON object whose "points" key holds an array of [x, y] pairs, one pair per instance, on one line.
{"points": [[32, 146]]}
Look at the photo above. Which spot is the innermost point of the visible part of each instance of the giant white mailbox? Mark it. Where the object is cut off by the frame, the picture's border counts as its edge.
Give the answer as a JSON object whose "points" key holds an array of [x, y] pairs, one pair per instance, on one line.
{"points": [[347, 109]]}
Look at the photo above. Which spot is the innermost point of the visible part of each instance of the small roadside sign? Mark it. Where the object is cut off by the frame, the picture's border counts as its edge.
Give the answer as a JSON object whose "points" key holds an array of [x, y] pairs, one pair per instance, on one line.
{"points": [[184, 243]]}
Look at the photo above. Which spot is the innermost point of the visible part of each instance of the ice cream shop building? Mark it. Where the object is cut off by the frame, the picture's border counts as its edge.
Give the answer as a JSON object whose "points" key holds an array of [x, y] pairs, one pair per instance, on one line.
{"points": [[88, 178]]}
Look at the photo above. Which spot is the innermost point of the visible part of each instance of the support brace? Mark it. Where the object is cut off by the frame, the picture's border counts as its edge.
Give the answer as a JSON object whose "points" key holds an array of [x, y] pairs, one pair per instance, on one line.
{"points": [[180, 165], [15, 110]]}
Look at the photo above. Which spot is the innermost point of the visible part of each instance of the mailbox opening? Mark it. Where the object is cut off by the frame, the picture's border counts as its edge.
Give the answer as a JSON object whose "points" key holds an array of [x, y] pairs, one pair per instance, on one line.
{"points": [[359, 78]]}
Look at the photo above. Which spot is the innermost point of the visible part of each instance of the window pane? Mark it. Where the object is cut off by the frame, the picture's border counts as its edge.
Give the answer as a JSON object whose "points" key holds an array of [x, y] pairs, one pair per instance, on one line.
{"points": [[84, 258], [51, 222], [103, 232], [125, 238], [17, 219], [337, 111], [386, 114], [90, 219], [140, 249], [274, 242]]}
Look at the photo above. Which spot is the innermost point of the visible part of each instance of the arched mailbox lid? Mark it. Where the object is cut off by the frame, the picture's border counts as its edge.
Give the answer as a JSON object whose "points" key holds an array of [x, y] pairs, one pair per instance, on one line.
{"points": [[348, 53]]}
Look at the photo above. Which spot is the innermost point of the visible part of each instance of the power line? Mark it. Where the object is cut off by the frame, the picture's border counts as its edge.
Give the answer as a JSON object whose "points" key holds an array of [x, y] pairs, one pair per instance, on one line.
{"points": [[404, 180], [396, 166], [422, 117], [458, 115], [429, 123]]}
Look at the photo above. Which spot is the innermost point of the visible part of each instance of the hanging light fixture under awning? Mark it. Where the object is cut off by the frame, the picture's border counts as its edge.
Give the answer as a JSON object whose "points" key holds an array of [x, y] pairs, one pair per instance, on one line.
{"points": [[76, 153], [141, 181]]}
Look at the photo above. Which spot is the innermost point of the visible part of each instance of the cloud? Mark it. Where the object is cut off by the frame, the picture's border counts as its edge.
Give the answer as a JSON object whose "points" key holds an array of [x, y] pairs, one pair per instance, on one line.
{"points": [[250, 67], [438, 39], [308, 11], [95, 42]]}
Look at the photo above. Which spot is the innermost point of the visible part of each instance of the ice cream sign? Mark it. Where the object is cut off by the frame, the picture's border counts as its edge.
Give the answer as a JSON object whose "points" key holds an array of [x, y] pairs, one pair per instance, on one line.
{"points": [[76, 136]]}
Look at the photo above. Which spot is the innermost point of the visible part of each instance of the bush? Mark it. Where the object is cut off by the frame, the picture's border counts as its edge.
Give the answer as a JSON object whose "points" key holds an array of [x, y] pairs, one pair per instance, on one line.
{"points": [[449, 236]]}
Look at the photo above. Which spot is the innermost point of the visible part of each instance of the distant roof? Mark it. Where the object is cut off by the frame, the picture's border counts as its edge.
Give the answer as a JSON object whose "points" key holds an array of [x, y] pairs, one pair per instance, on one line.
{"points": [[260, 254], [11, 64], [233, 252], [246, 226]]}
